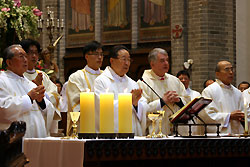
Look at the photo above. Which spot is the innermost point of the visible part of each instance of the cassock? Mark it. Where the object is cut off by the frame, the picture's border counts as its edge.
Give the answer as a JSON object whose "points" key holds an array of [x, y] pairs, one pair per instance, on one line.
{"points": [[110, 81], [80, 81], [16, 105], [51, 91], [226, 99], [161, 85], [192, 93]]}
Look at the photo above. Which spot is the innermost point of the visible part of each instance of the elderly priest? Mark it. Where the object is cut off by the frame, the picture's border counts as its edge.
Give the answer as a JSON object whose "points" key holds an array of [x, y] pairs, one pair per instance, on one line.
{"points": [[227, 105], [115, 80], [21, 99]]}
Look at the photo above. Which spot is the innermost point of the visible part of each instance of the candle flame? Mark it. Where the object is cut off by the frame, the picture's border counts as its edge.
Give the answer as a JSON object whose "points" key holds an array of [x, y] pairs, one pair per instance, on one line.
{"points": [[125, 90], [107, 90], [245, 102], [87, 90]]}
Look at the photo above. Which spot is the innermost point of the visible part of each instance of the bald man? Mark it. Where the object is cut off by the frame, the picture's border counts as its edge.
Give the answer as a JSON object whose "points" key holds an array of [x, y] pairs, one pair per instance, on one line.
{"points": [[227, 105]]}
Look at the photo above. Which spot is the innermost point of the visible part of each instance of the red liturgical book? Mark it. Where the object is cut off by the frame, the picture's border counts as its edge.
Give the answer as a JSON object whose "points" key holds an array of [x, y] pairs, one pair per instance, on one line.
{"points": [[190, 110]]}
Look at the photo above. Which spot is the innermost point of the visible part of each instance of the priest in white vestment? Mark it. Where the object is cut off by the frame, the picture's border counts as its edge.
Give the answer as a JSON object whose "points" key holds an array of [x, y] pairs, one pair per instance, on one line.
{"points": [[184, 77], [246, 100], [32, 48], [168, 87], [227, 105], [83, 80], [115, 80], [21, 99]]}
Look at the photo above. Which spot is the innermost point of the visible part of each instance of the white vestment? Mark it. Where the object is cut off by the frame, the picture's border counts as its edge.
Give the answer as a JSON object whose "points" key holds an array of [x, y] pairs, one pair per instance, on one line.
{"points": [[16, 105], [246, 97], [170, 83], [226, 99], [116, 84], [192, 93], [80, 81], [51, 90]]}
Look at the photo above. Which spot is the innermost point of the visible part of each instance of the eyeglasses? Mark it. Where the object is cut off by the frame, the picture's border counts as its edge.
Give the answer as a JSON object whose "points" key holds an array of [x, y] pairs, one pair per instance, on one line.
{"points": [[228, 69], [96, 54], [123, 59]]}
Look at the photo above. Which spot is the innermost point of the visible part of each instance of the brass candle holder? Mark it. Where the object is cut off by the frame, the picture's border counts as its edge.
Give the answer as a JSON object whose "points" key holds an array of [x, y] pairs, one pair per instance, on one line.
{"points": [[153, 118]]}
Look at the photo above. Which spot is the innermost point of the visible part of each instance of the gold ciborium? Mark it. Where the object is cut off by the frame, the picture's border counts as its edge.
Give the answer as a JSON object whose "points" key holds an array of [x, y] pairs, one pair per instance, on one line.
{"points": [[161, 115], [153, 118], [74, 117]]}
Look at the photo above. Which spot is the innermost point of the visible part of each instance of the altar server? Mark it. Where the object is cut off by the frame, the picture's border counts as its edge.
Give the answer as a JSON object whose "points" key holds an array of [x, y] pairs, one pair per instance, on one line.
{"points": [[115, 80], [168, 87], [83, 80], [227, 105], [32, 48], [21, 99], [184, 77]]}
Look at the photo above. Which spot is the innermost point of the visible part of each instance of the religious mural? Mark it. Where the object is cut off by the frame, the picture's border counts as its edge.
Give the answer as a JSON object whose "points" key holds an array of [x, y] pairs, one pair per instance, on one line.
{"points": [[116, 15], [116, 21], [154, 19], [80, 22]]}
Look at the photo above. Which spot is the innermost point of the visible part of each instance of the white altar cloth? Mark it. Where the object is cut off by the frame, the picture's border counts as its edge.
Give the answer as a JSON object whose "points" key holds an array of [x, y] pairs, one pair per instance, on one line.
{"points": [[54, 152]]}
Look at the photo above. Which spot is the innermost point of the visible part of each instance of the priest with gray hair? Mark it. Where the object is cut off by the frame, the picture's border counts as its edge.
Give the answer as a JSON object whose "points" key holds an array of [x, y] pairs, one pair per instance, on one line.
{"points": [[21, 99]]}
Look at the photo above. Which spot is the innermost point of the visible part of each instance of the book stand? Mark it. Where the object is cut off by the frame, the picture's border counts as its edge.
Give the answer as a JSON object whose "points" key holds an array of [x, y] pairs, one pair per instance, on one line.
{"points": [[188, 112]]}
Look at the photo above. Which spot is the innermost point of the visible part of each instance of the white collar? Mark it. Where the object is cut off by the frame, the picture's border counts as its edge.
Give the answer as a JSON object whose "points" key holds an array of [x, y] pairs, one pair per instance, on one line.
{"points": [[90, 70], [188, 90], [31, 71], [223, 85], [117, 77]]}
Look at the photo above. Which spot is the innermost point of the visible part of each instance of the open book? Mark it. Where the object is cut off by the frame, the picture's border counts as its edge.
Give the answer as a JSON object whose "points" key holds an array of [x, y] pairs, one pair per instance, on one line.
{"points": [[190, 110]]}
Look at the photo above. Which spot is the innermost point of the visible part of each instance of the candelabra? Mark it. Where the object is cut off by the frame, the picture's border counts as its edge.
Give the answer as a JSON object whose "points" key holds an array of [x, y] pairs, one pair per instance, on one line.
{"points": [[52, 28]]}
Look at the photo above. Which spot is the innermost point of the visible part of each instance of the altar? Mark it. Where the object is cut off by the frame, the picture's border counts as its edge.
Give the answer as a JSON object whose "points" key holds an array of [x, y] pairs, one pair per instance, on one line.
{"points": [[139, 151]]}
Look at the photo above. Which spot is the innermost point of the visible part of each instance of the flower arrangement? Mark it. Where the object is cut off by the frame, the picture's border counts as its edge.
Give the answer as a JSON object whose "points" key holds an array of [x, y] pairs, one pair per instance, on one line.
{"points": [[23, 19]]}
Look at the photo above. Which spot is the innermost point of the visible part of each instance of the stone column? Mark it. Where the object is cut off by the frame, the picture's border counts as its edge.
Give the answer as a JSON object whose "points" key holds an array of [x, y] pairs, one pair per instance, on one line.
{"points": [[134, 32], [211, 37], [98, 20]]}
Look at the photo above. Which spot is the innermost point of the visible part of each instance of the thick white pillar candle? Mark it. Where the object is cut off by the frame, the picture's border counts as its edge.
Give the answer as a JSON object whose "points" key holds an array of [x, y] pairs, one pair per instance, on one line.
{"points": [[106, 113], [125, 112], [87, 109]]}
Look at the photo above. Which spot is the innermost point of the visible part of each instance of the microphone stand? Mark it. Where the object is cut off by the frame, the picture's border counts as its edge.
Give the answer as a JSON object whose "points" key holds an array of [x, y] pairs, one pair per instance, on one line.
{"points": [[157, 95]]}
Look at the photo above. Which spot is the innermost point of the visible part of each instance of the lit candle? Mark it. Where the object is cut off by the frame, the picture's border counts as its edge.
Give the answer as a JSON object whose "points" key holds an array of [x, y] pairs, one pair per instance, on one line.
{"points": [[58, 23], [41, 23], [245, 114], [52, 22], [62, 24], [87, 109], [125, 112], [48, 10], [38, 23], [47, 23], [106, 113]]}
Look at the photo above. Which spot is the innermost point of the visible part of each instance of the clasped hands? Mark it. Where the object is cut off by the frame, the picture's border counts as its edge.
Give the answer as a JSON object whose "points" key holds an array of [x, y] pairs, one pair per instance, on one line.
{"points": [[37, 93], [171, 97]]}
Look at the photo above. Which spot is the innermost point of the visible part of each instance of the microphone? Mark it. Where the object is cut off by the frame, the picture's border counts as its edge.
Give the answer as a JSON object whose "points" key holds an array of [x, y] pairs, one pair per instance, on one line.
{"points": [[157, 94]]}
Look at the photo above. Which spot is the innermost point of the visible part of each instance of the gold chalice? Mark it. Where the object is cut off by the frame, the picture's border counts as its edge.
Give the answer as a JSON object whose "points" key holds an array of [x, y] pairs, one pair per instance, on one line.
{"points": [[161, 115], [153, 118], [74, 117]]}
